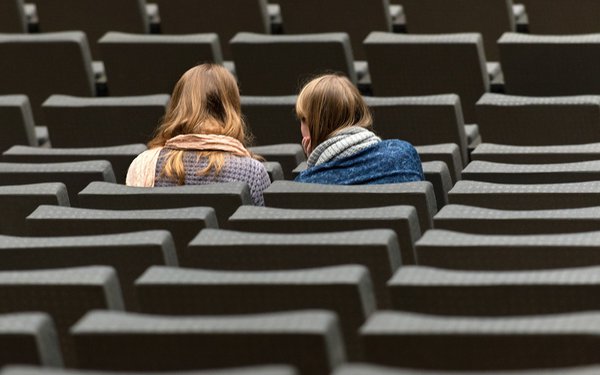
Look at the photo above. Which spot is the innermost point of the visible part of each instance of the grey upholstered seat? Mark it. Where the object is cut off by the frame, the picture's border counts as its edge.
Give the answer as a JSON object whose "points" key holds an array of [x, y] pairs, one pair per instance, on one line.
{"points": [[371, 369], [289, 155], [449, 153], [346, 289], [494, 293], [26, 68], [525, 197], [272, 119], [129, 253], [376, 249], [93, 17], [427, 65], [539, 121], [17, 124], [95, 122], [12, 17], [151, 64], [183, 223], [310, 340], [120, 157], [536, 154], [532, 173], [562, 16], [224, 198], [274, 170], [288, 194], [66, 294], [75, 175], [451, 16], [421, 120], [28, 338], [447, 249], [279, 64], [471, 343], [402, 219], [18, 201], [567, 68], [251, 370]]}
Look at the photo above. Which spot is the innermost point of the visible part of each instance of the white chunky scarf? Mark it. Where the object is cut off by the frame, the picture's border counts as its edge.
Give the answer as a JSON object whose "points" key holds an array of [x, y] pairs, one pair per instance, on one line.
{"points": [[346, 142]]}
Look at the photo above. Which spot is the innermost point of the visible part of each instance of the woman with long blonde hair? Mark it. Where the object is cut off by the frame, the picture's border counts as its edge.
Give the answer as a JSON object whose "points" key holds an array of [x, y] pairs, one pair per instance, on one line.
{"points": [[202, 137]]}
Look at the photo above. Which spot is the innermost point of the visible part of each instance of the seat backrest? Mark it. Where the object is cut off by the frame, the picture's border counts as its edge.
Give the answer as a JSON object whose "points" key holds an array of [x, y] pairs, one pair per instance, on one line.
{"points": [[449, 153], [402, 65], [536, 154], [372, 369], [289, 155], [562, 16], [280, 64], [272, 119], [151, 64], [251, 370], [486, 171], [18, 126], [26, 68], [12, 17]]}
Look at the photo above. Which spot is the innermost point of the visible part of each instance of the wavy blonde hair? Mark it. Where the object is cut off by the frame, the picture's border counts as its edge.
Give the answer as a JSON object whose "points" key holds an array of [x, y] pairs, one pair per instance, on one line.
{"points": [[330, 103], [205, 100]]}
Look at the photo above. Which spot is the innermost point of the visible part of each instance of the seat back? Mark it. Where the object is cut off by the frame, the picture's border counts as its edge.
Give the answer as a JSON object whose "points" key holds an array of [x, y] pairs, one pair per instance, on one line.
{"points": [[562, 16], [12, 17], [18, 126], [272, 119]]}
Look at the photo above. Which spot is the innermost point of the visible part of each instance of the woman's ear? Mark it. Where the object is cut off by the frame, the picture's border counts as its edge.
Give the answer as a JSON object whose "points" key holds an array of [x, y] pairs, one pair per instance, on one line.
{"points": [[306, 146]]}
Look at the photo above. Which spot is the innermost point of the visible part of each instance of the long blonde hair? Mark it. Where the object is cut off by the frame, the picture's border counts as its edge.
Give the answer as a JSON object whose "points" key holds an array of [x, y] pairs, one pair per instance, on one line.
{"points": [[205, 100], [330, 103]]}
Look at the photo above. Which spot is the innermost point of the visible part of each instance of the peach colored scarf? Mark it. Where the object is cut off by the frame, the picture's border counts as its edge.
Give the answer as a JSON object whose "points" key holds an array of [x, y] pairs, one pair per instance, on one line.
{"points": [[143, 168]]}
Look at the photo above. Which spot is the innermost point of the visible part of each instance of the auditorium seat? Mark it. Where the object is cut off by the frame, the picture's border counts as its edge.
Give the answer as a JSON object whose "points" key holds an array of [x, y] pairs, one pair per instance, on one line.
{"points": [[539, 121], [27, 69], [129, 253], [152, 64], [550, 65], [17, 123], [402, 65], [272, 119], [12, 17], [281, 64], [401, 219], [371, 369], [309, 340], [251, 370], [66, 294], [346, 290], [532, 173], [96, 122], [497, 252], [225, 198], [29, 338], [120, 157], [376, 249], [562, 16], [536, 154], [274, 170], [449, 153], [288, 155]]}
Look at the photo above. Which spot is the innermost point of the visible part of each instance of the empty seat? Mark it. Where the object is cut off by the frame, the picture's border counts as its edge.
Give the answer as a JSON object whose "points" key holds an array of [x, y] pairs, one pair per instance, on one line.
{"points": [[289, 155], [26, 68], [65, 294], [278, 64], [18, 201], [252, 370], [274, 170], [224, 198], [309, 340], [438, 174], [12, 17], [28, 338], [17, 124], [132, 63], [371, 369], [536, 154], [542, 65], [470, 343], [532, 173], [539, 121], [446, 249], [402, 65], [272, 119], [120, 157], [449, 153], [402, 219], [95, 122], [562, 16]]}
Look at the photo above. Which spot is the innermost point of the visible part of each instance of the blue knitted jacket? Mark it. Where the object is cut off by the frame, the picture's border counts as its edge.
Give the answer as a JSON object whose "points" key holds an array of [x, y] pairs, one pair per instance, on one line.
{"points": [[386, 162]]}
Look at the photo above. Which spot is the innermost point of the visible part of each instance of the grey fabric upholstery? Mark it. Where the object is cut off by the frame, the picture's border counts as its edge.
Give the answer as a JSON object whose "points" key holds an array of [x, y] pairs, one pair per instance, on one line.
{"points": [[402, 219], [28, 70], [376, 249], [28, 338], [112, 121], [130, 254], [279, 64], [532, 173], [471, 343], [65, 294], [568, 66], [449, 153], [525, 197], [12, 17], [120, 157], [272, 119], [346, 289], [289, 155], [438, 174], [150, 64], [309, 340], [484, 293], [288, 194], [357, 17], [274, 170], [428, 64], [224, 198], [75, 175], [183, 223], [18, 201], [539, 121], [536, 154], [370, 369], [252, 370], [421, 120], [562, 16], [443, 16], [447, 249], [17, 124]]}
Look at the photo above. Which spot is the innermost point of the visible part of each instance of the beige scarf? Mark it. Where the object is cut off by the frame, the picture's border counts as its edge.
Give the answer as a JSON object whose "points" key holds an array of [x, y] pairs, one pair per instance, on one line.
{"points": [[143, 168]]}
